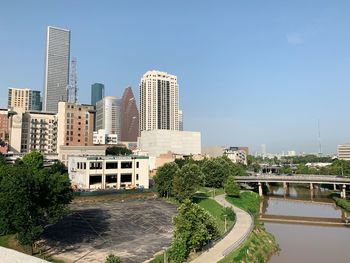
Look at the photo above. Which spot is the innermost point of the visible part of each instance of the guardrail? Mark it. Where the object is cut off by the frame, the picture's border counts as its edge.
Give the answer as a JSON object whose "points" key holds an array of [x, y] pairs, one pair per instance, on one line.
{"points": [[241, 240]]}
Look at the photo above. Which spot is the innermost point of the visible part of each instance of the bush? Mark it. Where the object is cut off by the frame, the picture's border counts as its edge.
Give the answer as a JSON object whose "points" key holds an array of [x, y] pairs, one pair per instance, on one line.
{"points": [[178, 251], [113, 259], [230, 214], [231, 187]]}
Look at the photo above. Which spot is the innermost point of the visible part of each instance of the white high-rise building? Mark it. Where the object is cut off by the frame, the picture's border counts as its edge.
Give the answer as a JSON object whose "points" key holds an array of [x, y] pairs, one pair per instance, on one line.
{"points": [[181, 121], [159, 101], [108, 115], [56, 67]]}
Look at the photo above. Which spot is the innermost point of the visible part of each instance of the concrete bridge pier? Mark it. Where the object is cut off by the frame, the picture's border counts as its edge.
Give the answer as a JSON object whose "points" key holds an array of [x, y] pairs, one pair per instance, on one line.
{"points": [[260, 189], [311, 186], [334, 187], [343, 194]]}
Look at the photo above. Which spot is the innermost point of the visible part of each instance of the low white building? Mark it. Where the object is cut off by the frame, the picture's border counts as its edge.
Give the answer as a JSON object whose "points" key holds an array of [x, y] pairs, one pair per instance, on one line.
{"points": [[157, 142], [80, 151], [101, 137], [237, 154], [109, 172]]}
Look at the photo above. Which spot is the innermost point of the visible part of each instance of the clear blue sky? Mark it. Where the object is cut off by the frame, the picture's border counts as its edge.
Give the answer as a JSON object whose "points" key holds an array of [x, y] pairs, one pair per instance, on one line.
{"points": [[250, 72]]}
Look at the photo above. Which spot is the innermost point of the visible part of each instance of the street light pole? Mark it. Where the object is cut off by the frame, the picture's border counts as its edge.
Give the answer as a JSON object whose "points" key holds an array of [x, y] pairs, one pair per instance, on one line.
{"points": [[225, 223]]}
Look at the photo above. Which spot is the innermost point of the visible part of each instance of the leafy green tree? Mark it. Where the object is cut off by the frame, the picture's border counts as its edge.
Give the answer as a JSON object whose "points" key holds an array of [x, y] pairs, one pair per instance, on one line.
{"points": [[186, 181], [33, 160], [215, 172], [164, 179], [229, 213], [194, 226], [113, 259], [231, 187], [58, 167], [178, 251], [31, 199], [117, 150], [2, 160]]}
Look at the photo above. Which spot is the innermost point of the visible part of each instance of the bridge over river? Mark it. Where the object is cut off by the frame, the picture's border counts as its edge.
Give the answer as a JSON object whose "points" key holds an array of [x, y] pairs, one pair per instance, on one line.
{"points": [[298, 179]]}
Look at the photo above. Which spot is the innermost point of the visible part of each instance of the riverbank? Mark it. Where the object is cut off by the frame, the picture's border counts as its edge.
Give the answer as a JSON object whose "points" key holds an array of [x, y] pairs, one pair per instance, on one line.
{"points": [[258, 248], [343, 203], [260, 245]]}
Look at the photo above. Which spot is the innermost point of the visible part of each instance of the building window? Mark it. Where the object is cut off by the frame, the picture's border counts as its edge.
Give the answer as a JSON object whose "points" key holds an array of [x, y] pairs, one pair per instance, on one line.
{"points": [[137, 177], [137, 164], [95, 165], [112, 165], [126, 165]]}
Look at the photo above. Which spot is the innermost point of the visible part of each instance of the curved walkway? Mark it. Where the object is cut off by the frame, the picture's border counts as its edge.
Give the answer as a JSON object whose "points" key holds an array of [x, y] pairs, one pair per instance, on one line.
{"points": [[243, 226]]}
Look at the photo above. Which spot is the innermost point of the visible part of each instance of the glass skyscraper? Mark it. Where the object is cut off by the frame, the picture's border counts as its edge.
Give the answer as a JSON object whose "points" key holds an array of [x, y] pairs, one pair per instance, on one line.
{"points": [[97, 93], [56, 67]]}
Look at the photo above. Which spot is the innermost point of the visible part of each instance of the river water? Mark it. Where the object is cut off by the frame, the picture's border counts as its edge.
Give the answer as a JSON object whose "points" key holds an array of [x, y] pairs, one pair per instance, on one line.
{"points": [[306, 243]]}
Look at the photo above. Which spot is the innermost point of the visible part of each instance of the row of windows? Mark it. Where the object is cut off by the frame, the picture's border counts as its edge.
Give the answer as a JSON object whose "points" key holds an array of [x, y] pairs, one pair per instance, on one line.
{"points": [[109, 165]]}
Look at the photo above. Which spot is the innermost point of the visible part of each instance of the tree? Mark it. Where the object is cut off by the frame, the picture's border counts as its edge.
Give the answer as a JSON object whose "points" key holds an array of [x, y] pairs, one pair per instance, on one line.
{"points": [[33, 160], [2, 160], [186, 181], [58, 167], [164, 178], [113, 259], [117, 150], [231, 187], [178, 251], [194, 228], [215, 172], [31, 199]]}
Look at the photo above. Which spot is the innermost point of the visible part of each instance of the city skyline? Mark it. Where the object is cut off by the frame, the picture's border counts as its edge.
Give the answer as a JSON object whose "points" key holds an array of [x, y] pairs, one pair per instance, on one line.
{"points": [[258, 76]]}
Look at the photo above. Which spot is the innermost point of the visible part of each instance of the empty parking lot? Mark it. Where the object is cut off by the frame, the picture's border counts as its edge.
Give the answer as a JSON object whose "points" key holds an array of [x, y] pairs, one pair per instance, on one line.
{"points": [[133, 230]]}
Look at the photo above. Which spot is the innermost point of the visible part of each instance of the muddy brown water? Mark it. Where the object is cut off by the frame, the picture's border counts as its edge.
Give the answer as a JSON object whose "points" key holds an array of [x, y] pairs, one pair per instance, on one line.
{"points": [[306, 243]]}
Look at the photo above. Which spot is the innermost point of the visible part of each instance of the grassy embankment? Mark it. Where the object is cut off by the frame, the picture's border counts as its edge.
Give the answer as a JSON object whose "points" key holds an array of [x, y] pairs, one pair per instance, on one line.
{"points": [[9, 241], [260, 245]]}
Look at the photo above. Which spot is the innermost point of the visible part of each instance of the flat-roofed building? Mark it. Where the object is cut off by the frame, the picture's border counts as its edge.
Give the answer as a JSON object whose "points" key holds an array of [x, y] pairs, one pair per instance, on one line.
{"points": [[4, 130], [109, 172], [101, 137], [79, 151], [75, 124], [25, 99], [237, 154], [344, 152], [157, 142]]}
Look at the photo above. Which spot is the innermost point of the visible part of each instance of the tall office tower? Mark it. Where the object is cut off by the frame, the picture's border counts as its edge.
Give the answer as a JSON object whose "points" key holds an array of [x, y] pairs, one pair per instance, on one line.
{"points": [[75, 124], [56, 67], [129, 117], [25, 99], [159, 101], [97, 92], [181, 121], [107, 115]]}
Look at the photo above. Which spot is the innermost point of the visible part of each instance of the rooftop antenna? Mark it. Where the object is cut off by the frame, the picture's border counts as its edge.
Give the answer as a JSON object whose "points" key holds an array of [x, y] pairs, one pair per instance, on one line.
{"points": [[319, 139], [72, 88]]}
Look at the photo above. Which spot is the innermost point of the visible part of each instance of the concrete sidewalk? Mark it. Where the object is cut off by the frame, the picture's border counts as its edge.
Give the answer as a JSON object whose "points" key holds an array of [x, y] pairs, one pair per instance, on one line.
{"points": [[13, 256], [233, 239]]}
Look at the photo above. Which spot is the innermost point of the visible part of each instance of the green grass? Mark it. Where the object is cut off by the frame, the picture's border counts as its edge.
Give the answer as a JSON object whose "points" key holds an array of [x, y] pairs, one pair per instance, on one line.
{"points": [[4, 241], [248, 201], [215, 210], [158, 259], [209, 191], [256, 249]]}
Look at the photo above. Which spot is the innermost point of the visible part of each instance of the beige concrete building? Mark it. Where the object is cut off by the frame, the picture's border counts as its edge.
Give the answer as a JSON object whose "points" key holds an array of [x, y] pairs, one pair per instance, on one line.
{"points": [[344, 152], [157, 142], [65, 152], [24, 99], [159, 101], [75, 124], [237, 154], [118, 172], [32, 130]]}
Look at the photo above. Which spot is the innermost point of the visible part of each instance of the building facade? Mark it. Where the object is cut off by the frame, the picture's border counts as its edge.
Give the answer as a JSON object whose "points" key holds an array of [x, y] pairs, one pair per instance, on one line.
{"points": [[97, 92], [75, 124], [56, 67], [114, 172], [25, 99], [108, 115], [159, 101], [344, 152], [101, 137], [129, 117], [237, 154], [32, 130], [65, 152], [158, 142], [181, 121], [4, 130]]}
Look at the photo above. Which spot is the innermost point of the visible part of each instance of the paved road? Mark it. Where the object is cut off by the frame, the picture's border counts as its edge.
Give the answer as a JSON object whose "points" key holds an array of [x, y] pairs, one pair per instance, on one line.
{"points": [[237, 235], [12, 256]]}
